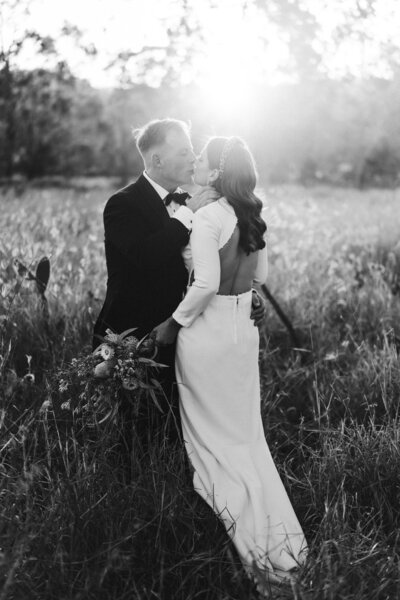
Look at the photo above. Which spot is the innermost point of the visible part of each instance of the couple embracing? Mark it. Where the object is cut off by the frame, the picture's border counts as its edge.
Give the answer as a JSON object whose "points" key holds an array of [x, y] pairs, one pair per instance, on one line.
{"points": [[185, 269]]}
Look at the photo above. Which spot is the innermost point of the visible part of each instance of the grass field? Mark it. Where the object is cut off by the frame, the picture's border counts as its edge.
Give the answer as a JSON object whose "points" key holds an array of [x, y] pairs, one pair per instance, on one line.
{"points": [[75, 525]]}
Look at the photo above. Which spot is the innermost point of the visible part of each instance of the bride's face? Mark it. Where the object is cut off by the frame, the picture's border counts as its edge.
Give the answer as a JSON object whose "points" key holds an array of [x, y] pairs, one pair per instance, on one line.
{"points": [[203, 175]]}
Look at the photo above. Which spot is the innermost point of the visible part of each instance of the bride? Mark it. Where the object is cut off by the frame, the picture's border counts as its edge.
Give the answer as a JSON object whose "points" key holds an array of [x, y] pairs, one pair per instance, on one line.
{"points": [[217, 369]]}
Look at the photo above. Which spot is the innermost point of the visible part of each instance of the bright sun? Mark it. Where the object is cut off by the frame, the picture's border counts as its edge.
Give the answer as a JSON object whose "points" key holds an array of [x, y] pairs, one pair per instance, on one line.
{"points": [[237, 57]]}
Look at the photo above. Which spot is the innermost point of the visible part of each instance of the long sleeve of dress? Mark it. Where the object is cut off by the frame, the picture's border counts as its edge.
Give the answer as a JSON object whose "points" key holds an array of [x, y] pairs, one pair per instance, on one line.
{"points": [[204, 243]]}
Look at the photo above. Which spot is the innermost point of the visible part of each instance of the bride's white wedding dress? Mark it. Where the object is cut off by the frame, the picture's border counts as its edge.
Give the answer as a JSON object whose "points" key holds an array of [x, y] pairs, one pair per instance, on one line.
{"points": [[218, 380]]}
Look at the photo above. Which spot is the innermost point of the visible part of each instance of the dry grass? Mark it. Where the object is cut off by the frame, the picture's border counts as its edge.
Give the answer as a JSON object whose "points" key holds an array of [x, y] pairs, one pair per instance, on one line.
{"points": [[78, 524]]}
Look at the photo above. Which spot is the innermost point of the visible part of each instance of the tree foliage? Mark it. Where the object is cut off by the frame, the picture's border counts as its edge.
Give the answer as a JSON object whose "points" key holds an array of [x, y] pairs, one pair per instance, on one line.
{"points": [[316, 127]]}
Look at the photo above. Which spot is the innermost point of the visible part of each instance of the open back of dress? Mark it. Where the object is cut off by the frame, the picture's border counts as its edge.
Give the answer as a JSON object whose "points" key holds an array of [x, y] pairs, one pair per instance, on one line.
{"points": [[237, 268]]}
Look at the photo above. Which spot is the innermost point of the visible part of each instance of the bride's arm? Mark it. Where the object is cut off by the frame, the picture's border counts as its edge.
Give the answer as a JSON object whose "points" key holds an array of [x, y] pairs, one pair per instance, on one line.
{"points": [[206, 264], [204, 243]]}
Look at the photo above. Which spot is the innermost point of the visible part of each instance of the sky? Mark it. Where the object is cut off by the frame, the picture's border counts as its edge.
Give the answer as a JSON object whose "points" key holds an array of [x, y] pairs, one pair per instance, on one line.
{"points": [[233, 50]]}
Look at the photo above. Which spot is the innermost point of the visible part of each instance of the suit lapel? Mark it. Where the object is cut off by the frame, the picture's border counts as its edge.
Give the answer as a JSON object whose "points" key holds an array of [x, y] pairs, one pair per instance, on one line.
{"points": [[150, 202]]}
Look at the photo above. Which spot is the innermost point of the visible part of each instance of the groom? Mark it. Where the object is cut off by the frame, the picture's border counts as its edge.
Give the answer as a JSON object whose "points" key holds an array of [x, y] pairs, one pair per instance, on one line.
{"points": [[147, 224]]}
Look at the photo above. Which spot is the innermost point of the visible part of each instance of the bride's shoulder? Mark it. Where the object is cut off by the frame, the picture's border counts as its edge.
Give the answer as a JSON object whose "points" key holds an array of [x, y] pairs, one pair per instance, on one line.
{"points": [[209, 215], [215, 208], [210, 210]]}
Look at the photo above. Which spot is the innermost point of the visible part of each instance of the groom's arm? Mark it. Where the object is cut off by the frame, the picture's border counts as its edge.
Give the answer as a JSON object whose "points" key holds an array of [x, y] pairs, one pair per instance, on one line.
{"points": [[258, 306], [127, 229]]}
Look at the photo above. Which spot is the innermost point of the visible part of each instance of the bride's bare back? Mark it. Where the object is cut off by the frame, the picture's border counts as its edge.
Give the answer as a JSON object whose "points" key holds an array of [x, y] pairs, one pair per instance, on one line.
{"points": [[237, 268]]}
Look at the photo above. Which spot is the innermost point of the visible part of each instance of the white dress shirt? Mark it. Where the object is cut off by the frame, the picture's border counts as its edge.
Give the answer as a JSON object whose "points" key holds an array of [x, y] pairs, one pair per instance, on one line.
{"points": [[175, 210]]}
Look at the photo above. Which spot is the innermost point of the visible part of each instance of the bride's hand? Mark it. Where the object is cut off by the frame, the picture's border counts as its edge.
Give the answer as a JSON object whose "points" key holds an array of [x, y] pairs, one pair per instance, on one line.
{"points": [[165, 333], [203, 197]]}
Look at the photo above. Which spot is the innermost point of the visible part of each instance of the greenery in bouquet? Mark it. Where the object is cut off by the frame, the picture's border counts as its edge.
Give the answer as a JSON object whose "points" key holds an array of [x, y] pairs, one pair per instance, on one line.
{"points": [[121, 367]]}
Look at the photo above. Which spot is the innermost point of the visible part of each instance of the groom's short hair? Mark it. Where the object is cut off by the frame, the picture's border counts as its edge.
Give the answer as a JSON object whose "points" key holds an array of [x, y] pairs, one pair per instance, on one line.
{"points": [[155, 132]]}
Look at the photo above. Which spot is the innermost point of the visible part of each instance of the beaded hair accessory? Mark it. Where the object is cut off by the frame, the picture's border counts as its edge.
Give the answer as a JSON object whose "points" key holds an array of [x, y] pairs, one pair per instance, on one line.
{"points": [[229, 144]]}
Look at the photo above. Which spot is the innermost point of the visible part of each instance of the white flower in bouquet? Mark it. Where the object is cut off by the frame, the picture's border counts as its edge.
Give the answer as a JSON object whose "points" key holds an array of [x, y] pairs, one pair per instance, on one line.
{"points": [[104, 369], [105, 351]]}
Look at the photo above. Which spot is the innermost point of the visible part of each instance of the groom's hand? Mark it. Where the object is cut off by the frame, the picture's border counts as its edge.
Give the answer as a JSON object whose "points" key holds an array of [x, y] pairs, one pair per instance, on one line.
{"points": [[165, 333], [203, 197], [257, 308]]}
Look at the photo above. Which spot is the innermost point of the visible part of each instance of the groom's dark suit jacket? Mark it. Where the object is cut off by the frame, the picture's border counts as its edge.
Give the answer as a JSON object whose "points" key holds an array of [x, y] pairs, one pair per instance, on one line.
{"points": [[147, 277]]}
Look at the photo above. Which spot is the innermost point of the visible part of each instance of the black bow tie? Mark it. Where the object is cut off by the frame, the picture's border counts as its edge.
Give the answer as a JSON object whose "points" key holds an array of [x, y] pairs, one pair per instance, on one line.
{"points": [[178, 197]]}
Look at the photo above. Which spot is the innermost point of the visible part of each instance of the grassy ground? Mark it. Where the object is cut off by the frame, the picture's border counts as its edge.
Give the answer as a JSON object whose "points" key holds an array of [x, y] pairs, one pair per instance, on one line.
{"points": [[77, 523]]}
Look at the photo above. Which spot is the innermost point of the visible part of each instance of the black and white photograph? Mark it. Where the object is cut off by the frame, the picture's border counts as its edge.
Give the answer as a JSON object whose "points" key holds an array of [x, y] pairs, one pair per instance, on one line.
{"points": [[199, 300]]}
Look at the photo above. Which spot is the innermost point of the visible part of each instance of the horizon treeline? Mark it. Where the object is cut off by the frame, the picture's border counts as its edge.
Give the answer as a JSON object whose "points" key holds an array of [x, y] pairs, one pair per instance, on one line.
{"points": [[341, 132]]}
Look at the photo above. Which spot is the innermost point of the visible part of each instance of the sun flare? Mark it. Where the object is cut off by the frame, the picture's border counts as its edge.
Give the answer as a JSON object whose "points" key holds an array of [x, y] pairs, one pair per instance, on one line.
{"points": [[241, 49], [238, 49]]}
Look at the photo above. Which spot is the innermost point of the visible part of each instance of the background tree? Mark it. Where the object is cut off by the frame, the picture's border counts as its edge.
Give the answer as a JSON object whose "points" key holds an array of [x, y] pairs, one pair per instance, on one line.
{"points": [[12, 12], [319, 123]]}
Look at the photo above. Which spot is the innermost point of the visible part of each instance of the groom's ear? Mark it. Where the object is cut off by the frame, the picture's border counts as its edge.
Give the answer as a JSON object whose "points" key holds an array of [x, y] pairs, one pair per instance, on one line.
{"points": [[155, 160]]}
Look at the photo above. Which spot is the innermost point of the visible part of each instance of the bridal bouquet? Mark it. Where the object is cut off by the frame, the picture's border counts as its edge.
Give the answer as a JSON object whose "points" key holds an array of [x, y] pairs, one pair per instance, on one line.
{"points": [[121, 367]]}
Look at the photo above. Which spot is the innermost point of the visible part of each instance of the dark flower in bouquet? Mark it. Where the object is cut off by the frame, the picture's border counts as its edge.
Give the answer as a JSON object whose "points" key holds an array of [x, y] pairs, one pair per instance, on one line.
{"points": [[122, 366]]}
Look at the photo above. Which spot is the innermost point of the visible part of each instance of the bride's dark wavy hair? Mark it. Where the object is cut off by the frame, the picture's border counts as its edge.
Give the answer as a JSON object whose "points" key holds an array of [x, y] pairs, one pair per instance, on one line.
{"points": [[236, 182]]}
